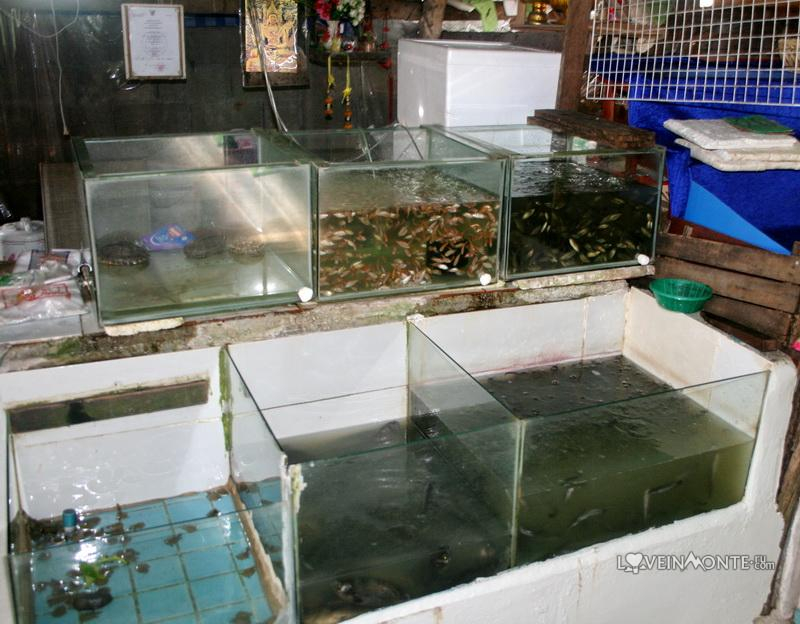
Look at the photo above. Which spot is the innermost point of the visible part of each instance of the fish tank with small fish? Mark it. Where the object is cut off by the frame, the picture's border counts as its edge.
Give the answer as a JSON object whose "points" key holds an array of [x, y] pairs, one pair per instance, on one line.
{"points": [[194, 224], [384, 512], [400, 209], [572, 205], [607, 447], [155, 500]]}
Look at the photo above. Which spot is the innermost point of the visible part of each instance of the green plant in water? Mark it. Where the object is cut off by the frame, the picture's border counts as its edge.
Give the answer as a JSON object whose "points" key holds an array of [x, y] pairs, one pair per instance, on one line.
{"points": [[95, 573]]}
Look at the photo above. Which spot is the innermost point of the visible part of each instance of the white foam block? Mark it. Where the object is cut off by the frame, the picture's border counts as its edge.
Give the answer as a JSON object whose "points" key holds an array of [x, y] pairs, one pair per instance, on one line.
{"points": [[719, 134]]}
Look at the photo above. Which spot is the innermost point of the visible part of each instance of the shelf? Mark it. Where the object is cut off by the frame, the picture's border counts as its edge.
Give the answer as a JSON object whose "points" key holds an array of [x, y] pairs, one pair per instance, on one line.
{"points": [[320, 57]]}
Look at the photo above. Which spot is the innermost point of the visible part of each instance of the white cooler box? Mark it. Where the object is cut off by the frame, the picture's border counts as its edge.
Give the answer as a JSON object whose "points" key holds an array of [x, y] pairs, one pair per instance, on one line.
{"points": [[469, 83]]}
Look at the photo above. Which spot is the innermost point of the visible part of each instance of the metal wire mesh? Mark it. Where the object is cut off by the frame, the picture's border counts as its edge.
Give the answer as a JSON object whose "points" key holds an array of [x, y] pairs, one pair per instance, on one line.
{"points": [[729, 51]]}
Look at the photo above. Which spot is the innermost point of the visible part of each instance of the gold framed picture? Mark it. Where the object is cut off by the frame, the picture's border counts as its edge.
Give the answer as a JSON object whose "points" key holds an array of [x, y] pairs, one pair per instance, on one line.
{"points": [[272, 36]]}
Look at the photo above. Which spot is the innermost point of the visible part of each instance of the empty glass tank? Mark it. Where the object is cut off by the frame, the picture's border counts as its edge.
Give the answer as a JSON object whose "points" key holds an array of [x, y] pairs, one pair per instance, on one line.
{"points": [[401, 209], [571, 205], [150, 503], [194, 224]]}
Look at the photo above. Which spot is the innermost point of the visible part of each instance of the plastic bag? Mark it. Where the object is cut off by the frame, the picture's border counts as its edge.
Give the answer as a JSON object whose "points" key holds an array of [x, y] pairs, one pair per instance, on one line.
{"points": [[41, 301]]}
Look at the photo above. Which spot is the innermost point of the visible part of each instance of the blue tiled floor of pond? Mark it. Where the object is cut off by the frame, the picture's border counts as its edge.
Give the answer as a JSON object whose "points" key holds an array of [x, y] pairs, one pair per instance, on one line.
{"points": [[190, 568]]}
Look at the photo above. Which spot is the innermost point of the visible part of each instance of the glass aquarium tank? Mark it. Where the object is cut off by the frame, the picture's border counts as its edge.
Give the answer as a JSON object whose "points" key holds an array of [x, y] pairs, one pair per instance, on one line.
{"points": [[572, 205], [148, 502], [194, 224], [385, 513], [611, 440], [400, 209], [418, 474]]}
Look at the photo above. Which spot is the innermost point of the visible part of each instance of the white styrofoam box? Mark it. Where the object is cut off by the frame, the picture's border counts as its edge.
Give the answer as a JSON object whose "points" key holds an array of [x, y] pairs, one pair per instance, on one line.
{"points": [[310, 367], [468, 83], [337, 413]]}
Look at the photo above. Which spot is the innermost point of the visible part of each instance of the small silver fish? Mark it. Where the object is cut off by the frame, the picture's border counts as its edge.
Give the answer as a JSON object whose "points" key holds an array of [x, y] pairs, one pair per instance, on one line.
{"points": [[585, 516]]}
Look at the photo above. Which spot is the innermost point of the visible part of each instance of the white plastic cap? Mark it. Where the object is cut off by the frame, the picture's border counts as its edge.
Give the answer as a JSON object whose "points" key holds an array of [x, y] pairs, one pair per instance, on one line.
{"points": [[643, 259], [485, 279], [305, 294]]}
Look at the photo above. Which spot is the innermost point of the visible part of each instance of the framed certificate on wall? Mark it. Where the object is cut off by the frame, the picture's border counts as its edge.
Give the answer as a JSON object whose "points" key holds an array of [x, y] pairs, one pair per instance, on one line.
{"points": [[153, 39]]}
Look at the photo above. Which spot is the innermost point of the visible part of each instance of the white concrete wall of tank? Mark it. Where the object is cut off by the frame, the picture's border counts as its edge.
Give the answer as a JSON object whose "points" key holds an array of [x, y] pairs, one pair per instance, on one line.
{"points": [[586, 587], [327, 380], [123, 460], [787, 599]]}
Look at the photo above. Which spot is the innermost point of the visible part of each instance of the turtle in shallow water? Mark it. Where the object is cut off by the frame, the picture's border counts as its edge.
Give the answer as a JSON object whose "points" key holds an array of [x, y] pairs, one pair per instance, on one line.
{"points": [[367, 592], [206, 243], [122, 250], [246, 247]]}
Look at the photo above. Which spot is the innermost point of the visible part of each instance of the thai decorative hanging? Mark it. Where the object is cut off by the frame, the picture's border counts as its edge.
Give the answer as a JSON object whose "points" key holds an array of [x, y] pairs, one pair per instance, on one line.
{"points": [[348, 111], [329, 93]]}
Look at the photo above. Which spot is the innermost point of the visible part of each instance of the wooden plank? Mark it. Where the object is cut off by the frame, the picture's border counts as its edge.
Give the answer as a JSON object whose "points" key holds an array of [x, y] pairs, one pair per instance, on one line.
{"points": [[688, 228], [576, 42], [594, 128], [769, 322], [33, 417], [789, 490], [757, 290], [63, 206], [747, 260], [430, 24], [585, 277], [749, 336]]}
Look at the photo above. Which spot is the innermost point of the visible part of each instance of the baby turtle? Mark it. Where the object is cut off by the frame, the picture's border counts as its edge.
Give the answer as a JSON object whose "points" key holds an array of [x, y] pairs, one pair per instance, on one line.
{"points": [[122, 250], [246, 247], [206, 243], [369, 593]]}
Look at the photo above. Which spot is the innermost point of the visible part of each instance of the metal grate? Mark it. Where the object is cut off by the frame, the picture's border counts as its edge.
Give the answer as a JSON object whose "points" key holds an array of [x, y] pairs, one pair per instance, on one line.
{"points": [[728, 51]]}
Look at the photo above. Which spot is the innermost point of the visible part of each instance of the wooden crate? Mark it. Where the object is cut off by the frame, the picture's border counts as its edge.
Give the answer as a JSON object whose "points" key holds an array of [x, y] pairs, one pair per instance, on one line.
{"points": [[754, 289]]}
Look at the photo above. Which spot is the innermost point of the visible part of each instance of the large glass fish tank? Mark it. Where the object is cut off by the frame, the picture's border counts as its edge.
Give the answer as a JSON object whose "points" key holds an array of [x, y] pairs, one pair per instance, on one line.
{"points": [[194, 224], [475, 459], [570, 204], [400, 209]]}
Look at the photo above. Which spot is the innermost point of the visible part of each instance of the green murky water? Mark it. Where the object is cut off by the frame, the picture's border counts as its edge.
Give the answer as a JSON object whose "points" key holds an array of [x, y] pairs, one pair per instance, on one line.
{"points": [[585, 452]]}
